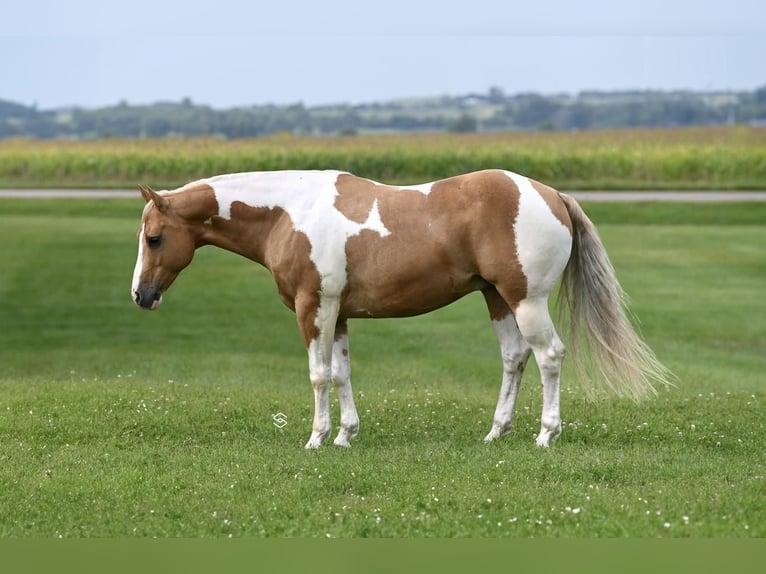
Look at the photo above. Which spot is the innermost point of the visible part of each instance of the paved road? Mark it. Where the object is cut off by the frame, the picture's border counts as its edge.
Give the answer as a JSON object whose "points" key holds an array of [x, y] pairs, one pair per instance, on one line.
{"points": [[613, 196]]}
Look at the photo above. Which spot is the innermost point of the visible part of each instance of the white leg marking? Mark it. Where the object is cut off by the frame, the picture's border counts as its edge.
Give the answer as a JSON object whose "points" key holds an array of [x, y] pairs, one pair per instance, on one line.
{"points": [[320, 369], [515, 352], [319, 376], [341, 376], [535, 324]]}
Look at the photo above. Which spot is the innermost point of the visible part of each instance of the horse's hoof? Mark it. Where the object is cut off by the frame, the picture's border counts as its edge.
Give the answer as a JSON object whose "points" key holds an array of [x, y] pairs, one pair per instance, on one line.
{"points": [[316, 440]]}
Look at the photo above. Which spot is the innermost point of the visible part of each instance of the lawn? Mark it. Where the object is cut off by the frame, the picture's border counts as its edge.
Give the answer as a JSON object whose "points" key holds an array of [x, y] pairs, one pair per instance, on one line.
{"points": [[116, 422]]}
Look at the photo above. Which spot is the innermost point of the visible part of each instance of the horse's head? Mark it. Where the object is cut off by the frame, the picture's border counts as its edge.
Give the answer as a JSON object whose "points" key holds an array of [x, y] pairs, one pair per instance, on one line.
{"points": [[166, 245]]}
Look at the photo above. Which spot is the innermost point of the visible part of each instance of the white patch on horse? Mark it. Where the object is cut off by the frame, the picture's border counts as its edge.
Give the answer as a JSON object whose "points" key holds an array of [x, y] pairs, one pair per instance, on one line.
{"points": [[374, 223], [540, 239], [424, 188], [139, 264], [308, 197]]}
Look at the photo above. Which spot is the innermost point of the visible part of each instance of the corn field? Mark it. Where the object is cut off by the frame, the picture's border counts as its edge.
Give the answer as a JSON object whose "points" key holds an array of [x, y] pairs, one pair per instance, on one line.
{"points": [[703, 158]]}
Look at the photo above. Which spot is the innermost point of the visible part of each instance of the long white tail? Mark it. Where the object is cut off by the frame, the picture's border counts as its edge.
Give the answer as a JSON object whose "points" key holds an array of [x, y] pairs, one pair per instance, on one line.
{"points": [[603, 344]]}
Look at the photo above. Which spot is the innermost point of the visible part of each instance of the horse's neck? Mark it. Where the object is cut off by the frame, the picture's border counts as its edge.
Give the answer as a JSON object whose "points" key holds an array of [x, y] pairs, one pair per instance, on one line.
{"points": [[246, 232], [250, 205], [245, 209]]}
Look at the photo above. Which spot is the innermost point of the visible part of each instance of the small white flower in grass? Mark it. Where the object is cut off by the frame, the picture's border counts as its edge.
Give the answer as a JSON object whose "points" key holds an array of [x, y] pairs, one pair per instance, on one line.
{"points": [[666, 524], [685, 519]]}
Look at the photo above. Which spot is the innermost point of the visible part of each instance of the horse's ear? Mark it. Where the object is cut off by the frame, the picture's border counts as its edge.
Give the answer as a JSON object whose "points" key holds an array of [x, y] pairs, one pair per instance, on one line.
{"points": [[149, 194]]}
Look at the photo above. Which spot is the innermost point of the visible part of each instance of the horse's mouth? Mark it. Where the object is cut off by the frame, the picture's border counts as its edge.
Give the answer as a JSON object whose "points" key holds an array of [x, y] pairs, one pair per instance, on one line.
{"points": [[149, 300]]}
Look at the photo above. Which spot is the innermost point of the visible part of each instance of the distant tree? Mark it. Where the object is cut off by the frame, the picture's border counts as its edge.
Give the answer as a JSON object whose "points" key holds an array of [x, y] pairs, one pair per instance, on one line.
{"points": [[532, 110], [499, 111], [463, 124], [496, 95], [579, 116]]}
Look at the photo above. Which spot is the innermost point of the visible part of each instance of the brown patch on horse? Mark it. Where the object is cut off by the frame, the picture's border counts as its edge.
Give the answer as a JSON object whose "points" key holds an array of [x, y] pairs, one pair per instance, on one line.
{"points": [[495, 244], [457, 239], [496, 305], [555, 203], [355, 197], [193, 202]]}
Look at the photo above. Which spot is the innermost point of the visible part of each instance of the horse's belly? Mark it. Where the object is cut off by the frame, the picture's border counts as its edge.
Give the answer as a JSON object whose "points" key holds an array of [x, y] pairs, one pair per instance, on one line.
{"points": [[406, 294]]}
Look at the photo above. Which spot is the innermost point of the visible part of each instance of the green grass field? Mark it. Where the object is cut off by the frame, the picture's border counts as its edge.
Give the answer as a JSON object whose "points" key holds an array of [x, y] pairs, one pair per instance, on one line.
{"points": [[118, 423]]}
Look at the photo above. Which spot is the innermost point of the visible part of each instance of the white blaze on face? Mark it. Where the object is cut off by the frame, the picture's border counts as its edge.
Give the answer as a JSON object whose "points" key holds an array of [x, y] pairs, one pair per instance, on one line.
{"points": [[139, 263], [539, 238], [308, 197]]}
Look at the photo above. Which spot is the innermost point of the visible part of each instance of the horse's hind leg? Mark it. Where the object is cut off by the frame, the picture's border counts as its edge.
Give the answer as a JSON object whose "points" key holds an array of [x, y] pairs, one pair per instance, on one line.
{"points": [[515, 352], [536, 326], [341, 376]]}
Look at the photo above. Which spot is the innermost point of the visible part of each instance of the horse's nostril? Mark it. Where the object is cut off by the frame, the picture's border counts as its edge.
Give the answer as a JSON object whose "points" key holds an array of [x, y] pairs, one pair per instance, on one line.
{"points": [[136, 297]]}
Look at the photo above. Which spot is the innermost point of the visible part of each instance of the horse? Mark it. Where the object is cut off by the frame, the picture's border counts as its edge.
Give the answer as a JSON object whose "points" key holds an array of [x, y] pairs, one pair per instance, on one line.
{"points": [[343, 247]]}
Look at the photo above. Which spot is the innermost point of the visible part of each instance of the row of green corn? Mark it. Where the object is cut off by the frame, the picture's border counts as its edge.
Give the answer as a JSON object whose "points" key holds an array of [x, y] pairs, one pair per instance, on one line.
{"points": [[727, 159]]}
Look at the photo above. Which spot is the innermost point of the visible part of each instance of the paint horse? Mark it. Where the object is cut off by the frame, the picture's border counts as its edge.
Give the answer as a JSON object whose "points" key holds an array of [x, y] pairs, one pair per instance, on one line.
{"points": [[341, 247]]}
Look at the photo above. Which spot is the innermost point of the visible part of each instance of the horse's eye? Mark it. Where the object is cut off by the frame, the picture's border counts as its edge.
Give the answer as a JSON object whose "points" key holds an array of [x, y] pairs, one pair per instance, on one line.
{"points": [[154, 241]]}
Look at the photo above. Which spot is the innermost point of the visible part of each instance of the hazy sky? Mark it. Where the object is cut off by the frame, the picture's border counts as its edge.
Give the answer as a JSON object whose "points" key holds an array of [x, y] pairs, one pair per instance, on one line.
{"points": [[239, 52]]}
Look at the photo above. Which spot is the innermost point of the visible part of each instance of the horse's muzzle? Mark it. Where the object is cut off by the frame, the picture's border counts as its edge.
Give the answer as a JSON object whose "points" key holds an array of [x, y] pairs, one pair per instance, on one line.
{"points": [[147, 297]]}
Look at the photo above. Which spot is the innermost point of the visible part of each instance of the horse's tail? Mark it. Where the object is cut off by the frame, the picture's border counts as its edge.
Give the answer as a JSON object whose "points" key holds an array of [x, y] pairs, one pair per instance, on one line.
{"points": [[598, 321]]}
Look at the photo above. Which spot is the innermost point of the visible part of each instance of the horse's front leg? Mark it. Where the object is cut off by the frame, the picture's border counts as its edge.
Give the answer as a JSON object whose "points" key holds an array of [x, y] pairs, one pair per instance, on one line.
{"points": [[317, 321], [341, 376]]}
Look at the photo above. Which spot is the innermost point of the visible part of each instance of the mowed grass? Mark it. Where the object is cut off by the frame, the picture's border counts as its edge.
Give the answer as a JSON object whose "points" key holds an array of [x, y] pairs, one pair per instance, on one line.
{"points": [[116, 422]]}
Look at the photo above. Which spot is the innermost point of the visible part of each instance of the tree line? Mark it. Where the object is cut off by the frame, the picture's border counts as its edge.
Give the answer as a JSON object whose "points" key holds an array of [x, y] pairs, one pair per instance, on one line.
{"points": [[491, 111]]}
